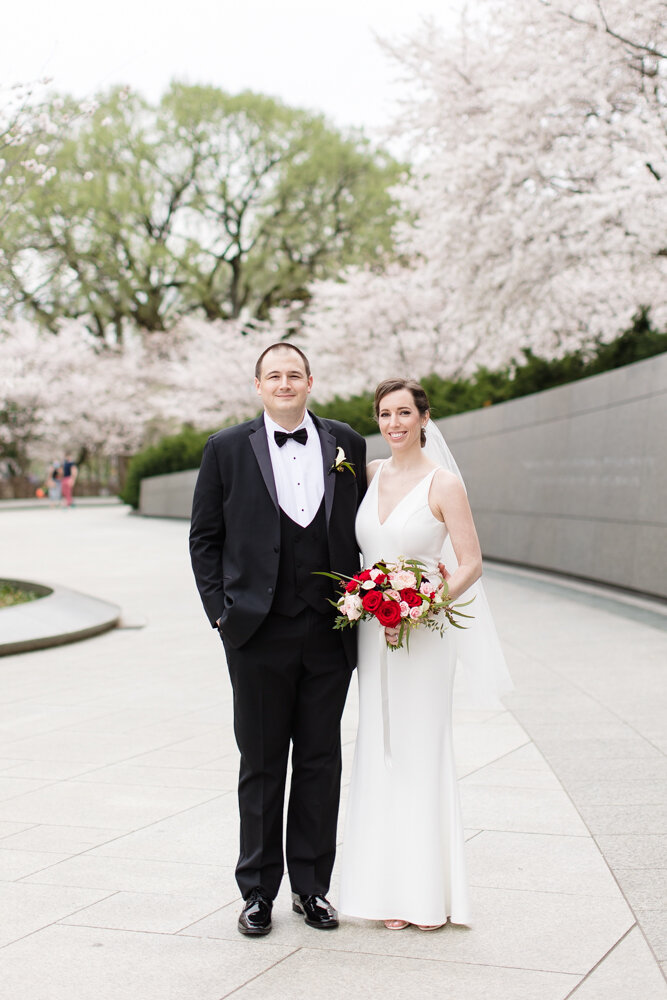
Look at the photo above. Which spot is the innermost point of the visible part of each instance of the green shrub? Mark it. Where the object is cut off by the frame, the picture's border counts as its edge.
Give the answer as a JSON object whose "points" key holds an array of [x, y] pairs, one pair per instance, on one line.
{"points": [[520, 378], [446, 396], [172, 454]]}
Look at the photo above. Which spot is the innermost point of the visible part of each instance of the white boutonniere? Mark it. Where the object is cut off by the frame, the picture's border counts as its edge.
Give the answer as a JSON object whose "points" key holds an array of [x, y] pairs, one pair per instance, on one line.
{"points": [[341, 462]]}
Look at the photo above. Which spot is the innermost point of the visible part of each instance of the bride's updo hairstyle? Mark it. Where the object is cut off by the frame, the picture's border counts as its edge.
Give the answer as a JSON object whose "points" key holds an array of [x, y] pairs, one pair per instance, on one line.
{"points": [[395, 385]]}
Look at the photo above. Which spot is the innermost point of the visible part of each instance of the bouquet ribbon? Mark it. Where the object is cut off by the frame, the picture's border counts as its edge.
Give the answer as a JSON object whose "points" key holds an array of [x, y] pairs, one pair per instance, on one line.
{"points": [[384, 691]]}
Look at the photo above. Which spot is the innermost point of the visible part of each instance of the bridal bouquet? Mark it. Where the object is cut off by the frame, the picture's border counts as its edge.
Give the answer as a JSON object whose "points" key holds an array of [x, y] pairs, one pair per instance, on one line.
{"points": [[398, 595]]}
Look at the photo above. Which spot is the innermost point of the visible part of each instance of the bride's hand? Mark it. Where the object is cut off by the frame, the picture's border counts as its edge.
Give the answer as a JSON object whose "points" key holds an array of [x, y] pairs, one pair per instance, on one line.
{"points": [[391, 635], [444, 573]]}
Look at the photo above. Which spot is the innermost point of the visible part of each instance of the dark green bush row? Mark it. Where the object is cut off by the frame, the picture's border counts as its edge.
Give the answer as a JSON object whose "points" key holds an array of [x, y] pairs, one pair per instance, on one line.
{"points": [[447, 396], [531, 374], [172, 454]]}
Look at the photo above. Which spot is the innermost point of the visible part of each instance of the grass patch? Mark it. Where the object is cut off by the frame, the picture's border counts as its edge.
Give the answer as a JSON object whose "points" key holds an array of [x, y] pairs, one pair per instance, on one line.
{"points": [[11, 594]]}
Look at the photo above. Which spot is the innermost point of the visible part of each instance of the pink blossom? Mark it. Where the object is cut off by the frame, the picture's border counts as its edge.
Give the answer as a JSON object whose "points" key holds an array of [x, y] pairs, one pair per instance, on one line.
{"points": [[405, 609], [392, 595], [474, 213], [416, 613]]}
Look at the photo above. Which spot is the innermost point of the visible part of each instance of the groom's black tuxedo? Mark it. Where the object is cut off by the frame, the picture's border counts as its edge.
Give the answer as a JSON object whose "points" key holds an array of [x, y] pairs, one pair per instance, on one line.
{"points": [[290, 671], [235, 535]]}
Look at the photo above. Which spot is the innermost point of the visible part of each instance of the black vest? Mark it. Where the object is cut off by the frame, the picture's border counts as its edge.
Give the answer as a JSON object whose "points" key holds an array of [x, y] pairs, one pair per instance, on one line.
{"points": [[302, 552]]}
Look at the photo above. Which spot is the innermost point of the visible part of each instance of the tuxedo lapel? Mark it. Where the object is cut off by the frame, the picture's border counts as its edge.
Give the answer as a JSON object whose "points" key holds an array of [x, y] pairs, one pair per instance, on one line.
{"points": [[260, 446], [328, 444]]}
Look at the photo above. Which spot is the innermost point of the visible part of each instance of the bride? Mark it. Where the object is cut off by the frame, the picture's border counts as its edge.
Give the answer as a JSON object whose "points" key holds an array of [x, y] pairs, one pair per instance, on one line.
{"points": [[403, 853]]}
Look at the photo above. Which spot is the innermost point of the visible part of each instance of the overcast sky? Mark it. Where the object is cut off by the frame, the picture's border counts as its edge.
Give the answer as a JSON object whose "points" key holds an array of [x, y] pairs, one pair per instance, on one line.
{"points": [[319, 54]]}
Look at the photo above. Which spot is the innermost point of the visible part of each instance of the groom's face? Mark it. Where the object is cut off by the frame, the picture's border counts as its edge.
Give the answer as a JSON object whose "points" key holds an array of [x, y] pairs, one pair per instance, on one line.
{"points": [[283, 387]]}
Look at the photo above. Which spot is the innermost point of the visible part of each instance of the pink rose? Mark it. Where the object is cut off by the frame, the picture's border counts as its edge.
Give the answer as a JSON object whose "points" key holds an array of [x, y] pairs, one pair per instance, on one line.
{"points": [[415, 613], [351, 607], [405, 609], [402, 579]]}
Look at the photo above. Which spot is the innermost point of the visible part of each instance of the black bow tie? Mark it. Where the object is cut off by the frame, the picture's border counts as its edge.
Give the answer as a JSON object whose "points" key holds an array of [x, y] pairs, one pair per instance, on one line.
{"points": [[300, 436]]}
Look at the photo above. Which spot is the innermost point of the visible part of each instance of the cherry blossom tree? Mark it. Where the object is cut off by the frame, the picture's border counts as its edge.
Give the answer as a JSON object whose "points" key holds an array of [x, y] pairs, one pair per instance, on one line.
{"points": [[66, 391], [537, 199], [204, 377], [534, 216], [31, 120], [61, 392]]}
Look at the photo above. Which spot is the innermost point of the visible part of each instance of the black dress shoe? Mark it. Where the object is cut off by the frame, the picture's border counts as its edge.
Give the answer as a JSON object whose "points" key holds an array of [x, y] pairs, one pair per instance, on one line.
{"points": [[255, 918], [317, 910]]}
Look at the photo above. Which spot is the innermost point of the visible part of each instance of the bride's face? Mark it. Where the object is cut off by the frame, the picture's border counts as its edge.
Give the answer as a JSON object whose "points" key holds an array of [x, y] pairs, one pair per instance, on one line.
{"points": [[400, 421]]}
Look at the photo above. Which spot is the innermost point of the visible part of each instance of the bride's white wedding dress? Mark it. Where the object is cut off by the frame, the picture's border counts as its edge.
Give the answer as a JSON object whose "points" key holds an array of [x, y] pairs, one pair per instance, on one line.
{"points": [[403, 850]]}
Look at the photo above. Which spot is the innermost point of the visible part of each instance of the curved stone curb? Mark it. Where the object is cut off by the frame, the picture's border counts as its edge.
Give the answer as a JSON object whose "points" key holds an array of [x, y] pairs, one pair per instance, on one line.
{"points": [[645, 608], [60, 617], [33, 503]]}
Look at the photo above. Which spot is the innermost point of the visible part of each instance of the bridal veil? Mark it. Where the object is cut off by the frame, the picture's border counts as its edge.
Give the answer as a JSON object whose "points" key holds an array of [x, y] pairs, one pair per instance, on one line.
{"points": [[482, 668]]}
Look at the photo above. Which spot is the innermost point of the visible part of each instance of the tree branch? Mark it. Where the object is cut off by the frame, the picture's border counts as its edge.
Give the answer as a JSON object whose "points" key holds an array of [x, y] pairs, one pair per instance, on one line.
{"points": [[649, 49]]}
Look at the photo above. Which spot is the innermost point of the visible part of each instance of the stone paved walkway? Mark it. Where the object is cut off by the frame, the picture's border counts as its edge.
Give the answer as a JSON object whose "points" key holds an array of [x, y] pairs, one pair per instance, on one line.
{"points": [[118, 821]]}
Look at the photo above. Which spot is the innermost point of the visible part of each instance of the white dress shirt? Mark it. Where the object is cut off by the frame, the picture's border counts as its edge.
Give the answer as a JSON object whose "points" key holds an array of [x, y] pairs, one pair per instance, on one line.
{"points": [[297, 470]]}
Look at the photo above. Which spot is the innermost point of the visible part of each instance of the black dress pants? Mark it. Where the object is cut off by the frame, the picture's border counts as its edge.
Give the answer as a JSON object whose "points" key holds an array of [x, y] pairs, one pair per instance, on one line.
{"points": [[290, 683]]}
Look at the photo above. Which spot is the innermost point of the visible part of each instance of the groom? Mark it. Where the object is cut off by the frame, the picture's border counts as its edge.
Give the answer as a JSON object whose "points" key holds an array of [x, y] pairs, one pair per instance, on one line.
{"points": [[273, 505]]}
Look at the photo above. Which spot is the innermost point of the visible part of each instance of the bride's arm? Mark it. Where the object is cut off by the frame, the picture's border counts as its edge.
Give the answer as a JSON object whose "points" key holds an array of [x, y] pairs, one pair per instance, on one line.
{"points": [[449, 503]]}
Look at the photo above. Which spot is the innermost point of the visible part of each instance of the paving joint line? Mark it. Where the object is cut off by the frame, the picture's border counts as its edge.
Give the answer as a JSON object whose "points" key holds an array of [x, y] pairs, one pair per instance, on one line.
{"points": [[600, 961], [259, 974]]}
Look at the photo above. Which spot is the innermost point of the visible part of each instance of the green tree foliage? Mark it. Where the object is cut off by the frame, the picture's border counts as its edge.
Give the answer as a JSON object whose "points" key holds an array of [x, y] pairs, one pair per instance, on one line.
{"points": [[211, 203]]}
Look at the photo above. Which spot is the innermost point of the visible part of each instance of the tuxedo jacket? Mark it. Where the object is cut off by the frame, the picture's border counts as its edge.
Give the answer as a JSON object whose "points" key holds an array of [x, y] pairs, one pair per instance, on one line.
{"points": [[235, 529]]}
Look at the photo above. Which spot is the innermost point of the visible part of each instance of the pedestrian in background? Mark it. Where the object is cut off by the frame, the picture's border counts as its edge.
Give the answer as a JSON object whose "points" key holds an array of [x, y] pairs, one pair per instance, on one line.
{"points": [[69, 473], [54, 483]]}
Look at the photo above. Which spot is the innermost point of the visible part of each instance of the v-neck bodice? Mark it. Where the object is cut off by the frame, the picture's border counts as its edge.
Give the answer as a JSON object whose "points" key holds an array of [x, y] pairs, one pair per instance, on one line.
{"points": [[411, 529]]}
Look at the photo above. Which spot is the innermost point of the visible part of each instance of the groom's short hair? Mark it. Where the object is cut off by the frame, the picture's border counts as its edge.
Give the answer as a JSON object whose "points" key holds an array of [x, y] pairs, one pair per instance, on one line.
{"points": [[282, 345]]}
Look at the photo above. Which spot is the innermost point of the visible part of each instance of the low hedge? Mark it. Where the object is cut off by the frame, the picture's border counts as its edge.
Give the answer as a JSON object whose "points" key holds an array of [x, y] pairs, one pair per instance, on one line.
{"points": [[172, 454], [520, 378], [446, 396]]}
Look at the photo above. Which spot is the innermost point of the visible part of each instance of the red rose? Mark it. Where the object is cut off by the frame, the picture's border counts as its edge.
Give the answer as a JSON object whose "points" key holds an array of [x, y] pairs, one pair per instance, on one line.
{"points": [[388, 614], [372, 600], [411, 597], [364, 575], [351, 586], [379, 580]]}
